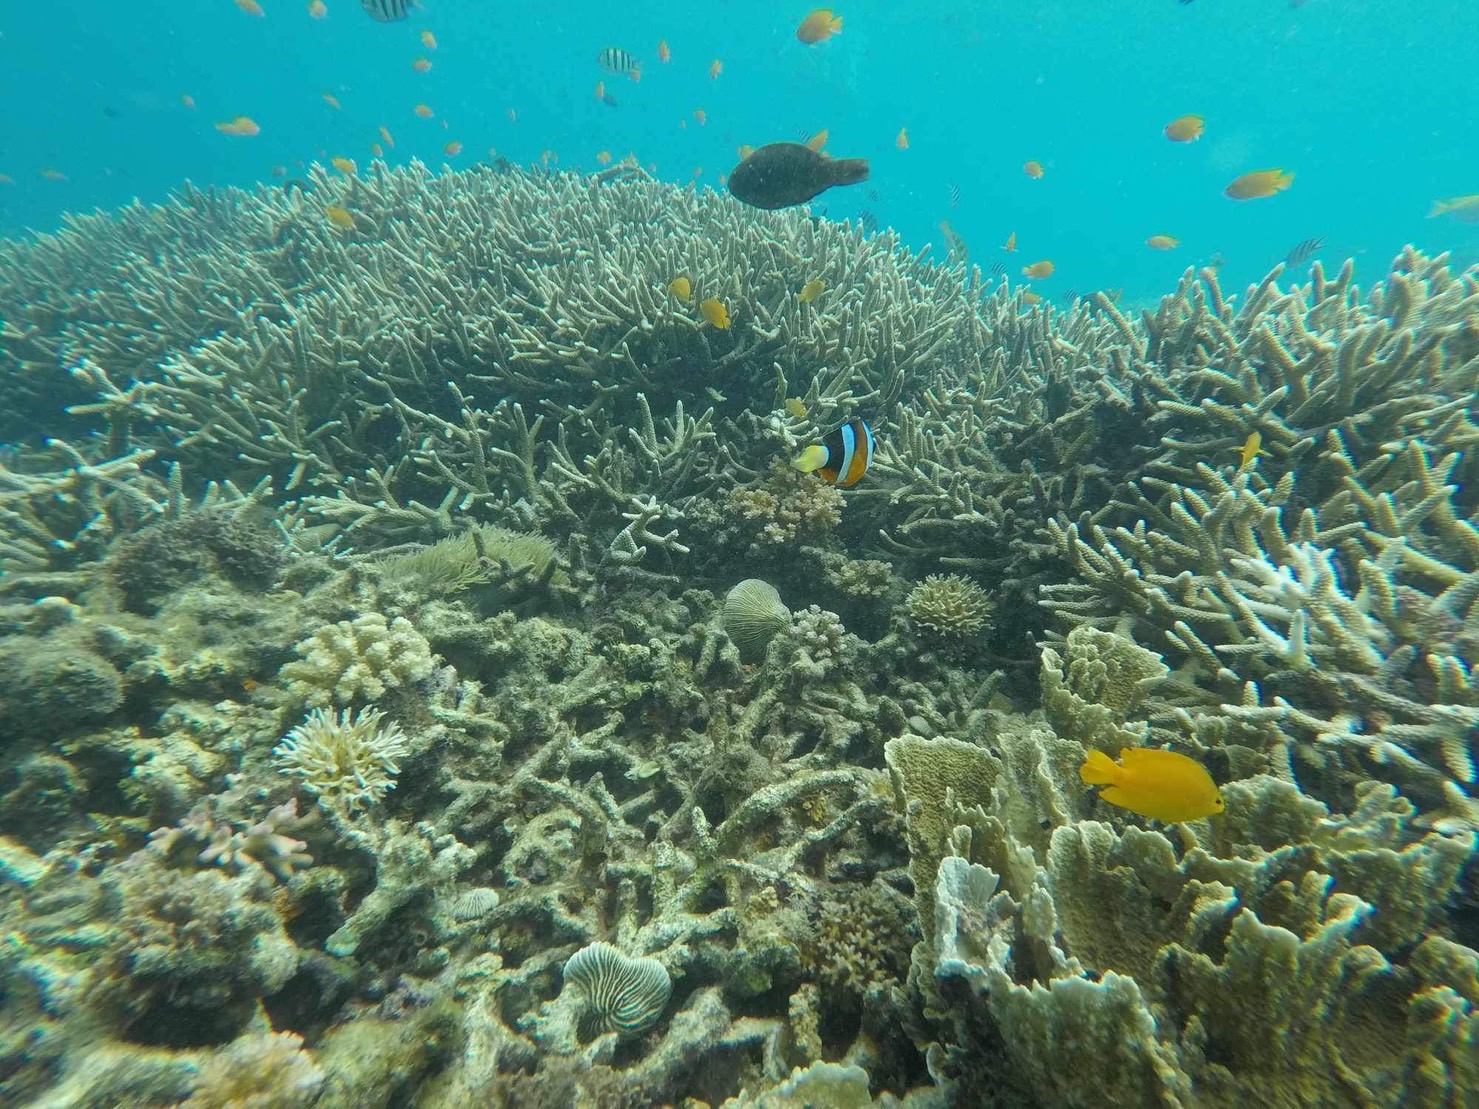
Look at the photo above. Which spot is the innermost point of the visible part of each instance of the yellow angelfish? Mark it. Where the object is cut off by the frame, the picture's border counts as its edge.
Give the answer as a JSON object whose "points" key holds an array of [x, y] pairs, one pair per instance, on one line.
{"points": [[681, 288], [715, 312], [1159, 784], [341, 218], [811, 290]]}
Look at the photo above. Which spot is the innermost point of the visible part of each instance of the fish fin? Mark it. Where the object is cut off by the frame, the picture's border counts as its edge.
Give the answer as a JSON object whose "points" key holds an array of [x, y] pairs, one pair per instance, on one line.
{"points": [[812, 458], [1099, 770], [1117, 797], [836, 25]]}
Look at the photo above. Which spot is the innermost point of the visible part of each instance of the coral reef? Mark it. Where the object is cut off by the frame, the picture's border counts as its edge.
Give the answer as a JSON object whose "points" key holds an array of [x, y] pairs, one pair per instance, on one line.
{"points": [[457, 502]]}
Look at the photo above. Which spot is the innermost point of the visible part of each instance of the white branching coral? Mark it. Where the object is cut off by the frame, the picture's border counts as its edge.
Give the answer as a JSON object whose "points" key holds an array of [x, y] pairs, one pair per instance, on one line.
{"points": [[345, 762], [358, 660]]}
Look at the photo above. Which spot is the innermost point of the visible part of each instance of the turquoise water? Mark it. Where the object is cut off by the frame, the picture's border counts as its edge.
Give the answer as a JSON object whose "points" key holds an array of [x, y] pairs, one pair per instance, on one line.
{"points": [[1366, 102]]}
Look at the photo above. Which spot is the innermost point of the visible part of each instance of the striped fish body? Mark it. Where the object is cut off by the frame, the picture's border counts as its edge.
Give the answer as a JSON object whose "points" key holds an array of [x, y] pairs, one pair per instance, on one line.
{"points": [[616, 60], [387, 11], [849, 450], [1304, 251]]}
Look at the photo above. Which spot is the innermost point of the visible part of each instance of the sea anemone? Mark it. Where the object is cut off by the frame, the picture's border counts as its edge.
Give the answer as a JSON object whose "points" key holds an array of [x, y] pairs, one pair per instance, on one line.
{"points": [[343, 761]]}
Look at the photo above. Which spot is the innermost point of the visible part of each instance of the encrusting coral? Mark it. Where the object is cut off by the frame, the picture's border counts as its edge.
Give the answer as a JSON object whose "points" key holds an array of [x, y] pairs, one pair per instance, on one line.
{"points": [[457, 501]]}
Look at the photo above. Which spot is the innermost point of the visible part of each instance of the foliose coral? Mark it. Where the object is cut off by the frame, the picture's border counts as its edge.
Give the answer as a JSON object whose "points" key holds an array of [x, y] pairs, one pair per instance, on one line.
{"points": [[753, 614], [618, 993]]}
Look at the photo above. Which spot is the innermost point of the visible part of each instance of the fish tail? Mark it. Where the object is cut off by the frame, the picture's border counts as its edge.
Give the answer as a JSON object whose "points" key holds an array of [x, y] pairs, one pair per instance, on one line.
{"points": [[849, 171], [811, 459], [1439, 207], [836, 25], [1099, 770]]}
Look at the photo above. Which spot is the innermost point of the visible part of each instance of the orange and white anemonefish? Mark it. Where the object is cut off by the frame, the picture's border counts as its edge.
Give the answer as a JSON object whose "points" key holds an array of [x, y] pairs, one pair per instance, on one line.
{"points": [[842, 457]]}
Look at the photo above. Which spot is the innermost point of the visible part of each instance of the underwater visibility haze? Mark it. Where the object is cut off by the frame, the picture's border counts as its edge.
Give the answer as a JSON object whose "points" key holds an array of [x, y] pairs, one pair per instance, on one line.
{"points": [[743, 555]]}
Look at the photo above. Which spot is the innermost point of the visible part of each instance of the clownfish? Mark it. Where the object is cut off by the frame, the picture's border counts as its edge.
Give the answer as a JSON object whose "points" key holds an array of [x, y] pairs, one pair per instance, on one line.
{"points": [[842, 457]]}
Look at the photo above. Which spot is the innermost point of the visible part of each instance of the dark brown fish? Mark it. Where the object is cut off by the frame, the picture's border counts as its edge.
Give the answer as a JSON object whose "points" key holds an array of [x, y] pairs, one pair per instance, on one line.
{"points": [[785, 174]]}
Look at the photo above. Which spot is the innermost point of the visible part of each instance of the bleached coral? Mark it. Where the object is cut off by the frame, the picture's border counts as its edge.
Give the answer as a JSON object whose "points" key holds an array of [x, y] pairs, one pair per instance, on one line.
{"points": [[347, 762], [358, 661]]}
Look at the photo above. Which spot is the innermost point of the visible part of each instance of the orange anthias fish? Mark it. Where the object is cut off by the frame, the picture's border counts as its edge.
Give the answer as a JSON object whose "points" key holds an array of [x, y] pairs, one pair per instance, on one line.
{"points": [[600, 90], [1038, 269], [715, 69], [428, 40], [902, 139], [1162, 242], [1259, 184], [332, 101], [1185, 128], [1462, 208], [715, 312], [1010, 246], [664, 55], [1033, 170], [1159, 784], [819, 26], [241, 125], [421, 65]]}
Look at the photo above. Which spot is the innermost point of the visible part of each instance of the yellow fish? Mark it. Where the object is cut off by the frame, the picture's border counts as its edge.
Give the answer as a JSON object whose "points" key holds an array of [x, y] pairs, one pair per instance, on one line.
{"points": [[1029, 297], [344, 165], [1163, 242], [377, 150], [332, 101], [318, 9], [428, 40], [811, 290], [1038, 269], [1159, 784], [681, 288], [339, 217], [715, 312], [796, 408], [817, 141], [421, 65], [1248, 453], [1259, 184]]}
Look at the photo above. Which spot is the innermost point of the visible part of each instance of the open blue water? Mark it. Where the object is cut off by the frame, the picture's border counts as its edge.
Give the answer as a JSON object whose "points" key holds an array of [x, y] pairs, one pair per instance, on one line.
{"points": [[1371, 104]]}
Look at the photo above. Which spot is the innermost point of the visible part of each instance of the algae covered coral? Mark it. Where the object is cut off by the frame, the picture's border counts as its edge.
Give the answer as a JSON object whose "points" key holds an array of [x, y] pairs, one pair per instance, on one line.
{"points": [[713, 784]]}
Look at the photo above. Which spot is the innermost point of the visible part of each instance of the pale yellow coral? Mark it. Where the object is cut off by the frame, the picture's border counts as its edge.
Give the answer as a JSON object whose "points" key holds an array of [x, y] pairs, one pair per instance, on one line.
{"points": [[358, 660], [949, 605]]}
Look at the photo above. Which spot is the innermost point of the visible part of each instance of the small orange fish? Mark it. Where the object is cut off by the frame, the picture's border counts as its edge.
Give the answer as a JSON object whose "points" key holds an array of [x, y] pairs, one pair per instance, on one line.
{"points": [[345, 166], [332, 101], [386, 136], [377, 150], [339, 217], [251, 7], [819, 26], [902, 139], [818, 141], [428, 40], [715, 69], [1033, 170], [600, 90], [423, 112], [715, 312], [1038, 269], [421, 65], [745, 151], [1185, 128], [701, 115], [187, 100], [317, 9], [603, 158], [1162, 242], [1029, 297], [452, 149], [1159, 784], [664, 55], [1259, 184], [241, 125], [53, 174], [1010, 246]]}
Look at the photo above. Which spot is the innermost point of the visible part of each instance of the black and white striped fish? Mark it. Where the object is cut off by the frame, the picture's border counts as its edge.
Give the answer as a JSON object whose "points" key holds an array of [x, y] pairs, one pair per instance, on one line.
{"points": [[387, 11], [954, 195], [1304, 251], [616, 60]]}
